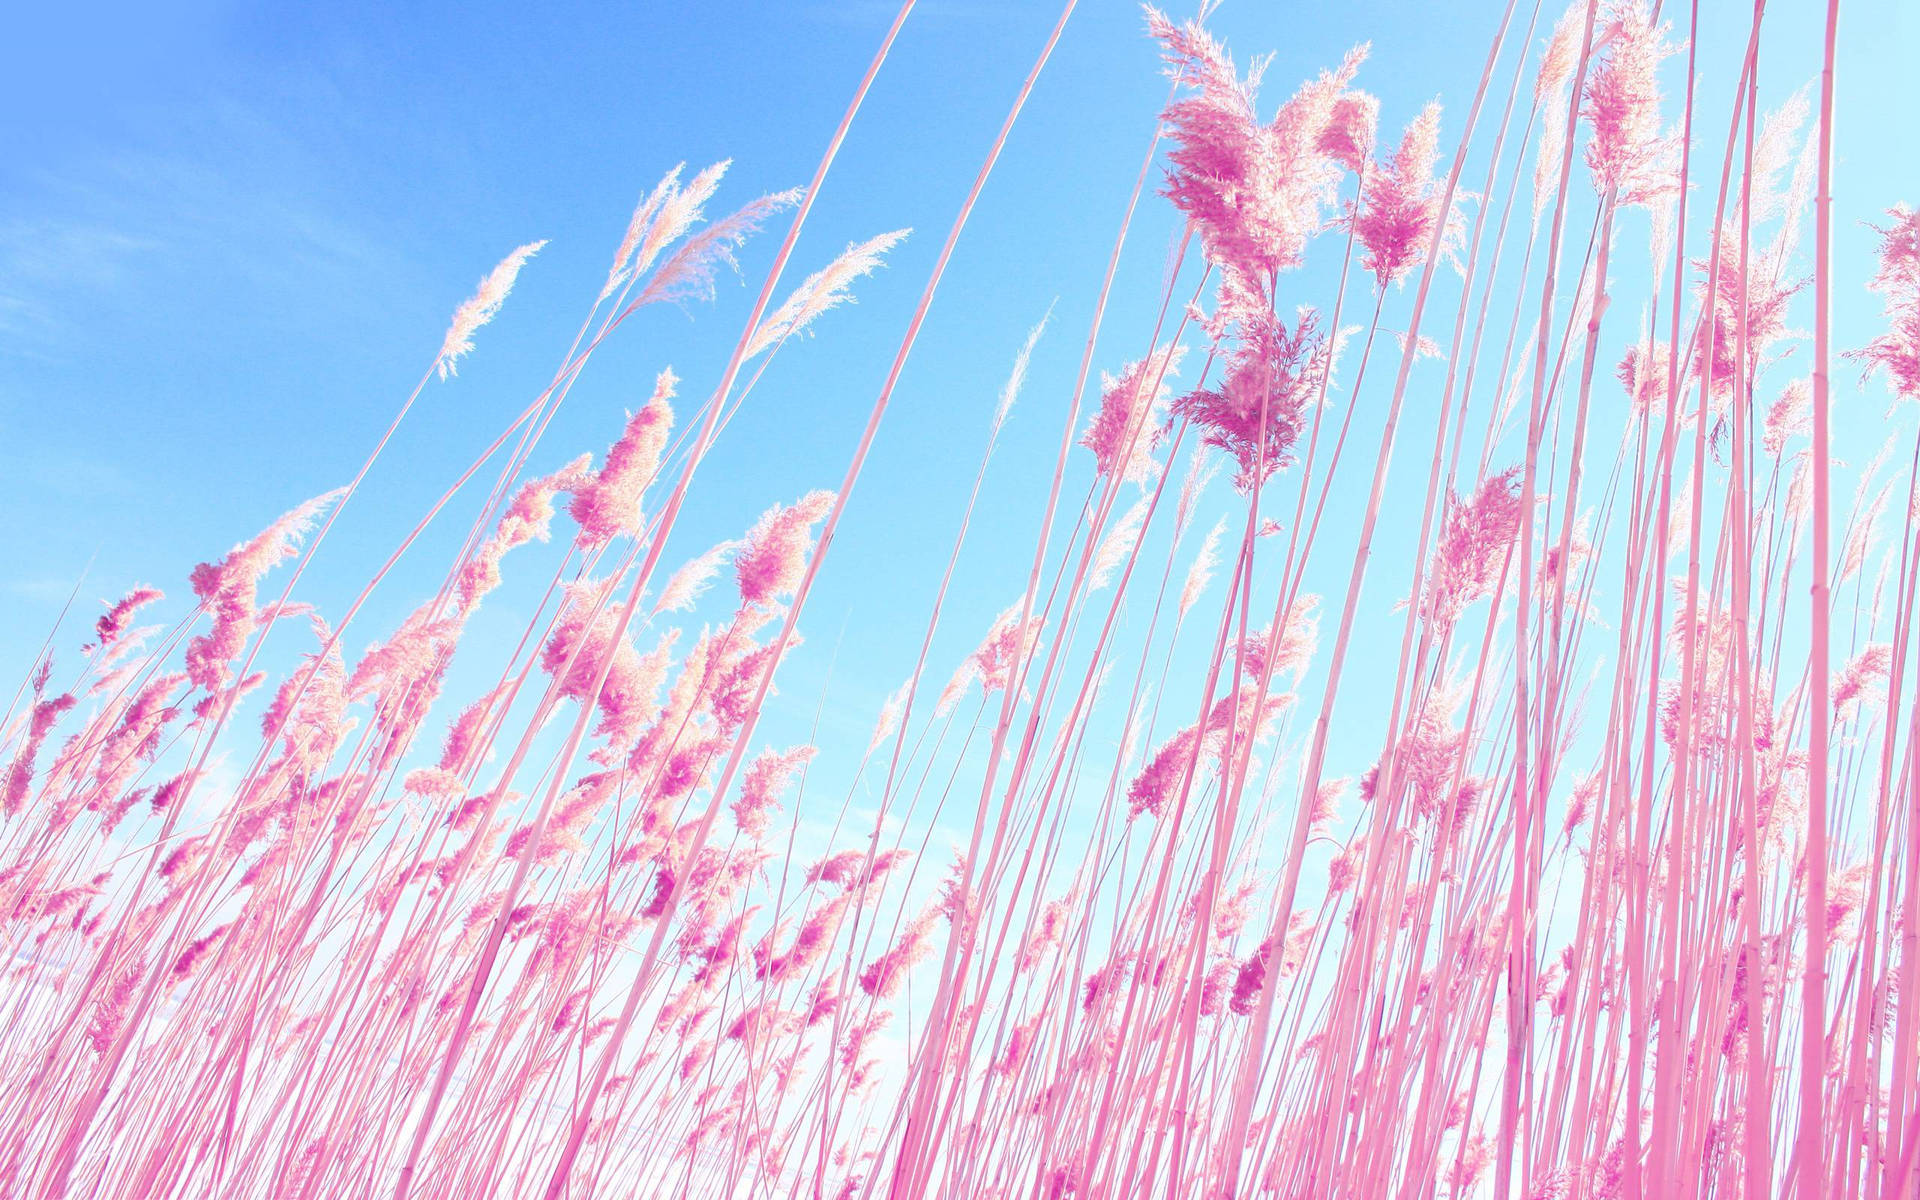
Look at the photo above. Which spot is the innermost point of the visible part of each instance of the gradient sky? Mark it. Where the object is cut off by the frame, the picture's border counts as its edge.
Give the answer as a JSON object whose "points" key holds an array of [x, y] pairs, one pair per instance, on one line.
{"points": [[231, 236]]}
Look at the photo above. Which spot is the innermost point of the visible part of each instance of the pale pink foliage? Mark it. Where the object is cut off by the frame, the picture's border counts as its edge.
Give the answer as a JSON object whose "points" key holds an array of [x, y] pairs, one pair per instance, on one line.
{"points": [[774, 556], [528, 518], [1200, 571], [824, 289], [661, 218], [1253, 189], [608, 505], [1260, 409], [583, 645], [1897, 351], [688, 273], [113, 623], [883, 976], [1400, 203], [227, 590], [1125, 429], [766, 779], [1009, 644], [1475, 538], [1622, 105], [480, 307]]}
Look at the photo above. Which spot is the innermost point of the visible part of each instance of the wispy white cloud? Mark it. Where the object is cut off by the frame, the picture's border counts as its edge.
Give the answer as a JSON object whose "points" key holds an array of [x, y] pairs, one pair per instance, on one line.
{"points": [[42, 590], [47, 260], [246, 201]]}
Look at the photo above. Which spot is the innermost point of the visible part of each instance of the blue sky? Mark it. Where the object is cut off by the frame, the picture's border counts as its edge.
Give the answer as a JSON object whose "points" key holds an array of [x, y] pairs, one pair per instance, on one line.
{"points": [[230, 238]]}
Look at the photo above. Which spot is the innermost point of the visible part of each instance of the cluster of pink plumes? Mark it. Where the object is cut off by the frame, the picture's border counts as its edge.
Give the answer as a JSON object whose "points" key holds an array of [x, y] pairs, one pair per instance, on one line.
{"points": [[1619, 895]]}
